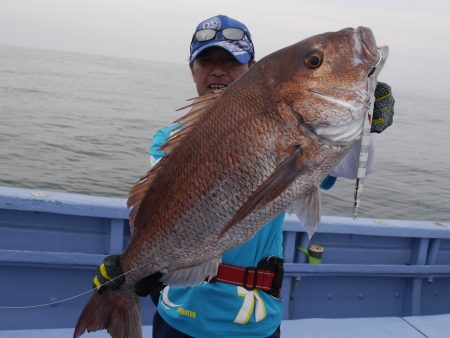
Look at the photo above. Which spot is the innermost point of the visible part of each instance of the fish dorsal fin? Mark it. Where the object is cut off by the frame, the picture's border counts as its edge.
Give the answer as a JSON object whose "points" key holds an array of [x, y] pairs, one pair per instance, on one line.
{"points": [[307, 210], [191, 275], [139, 190], [283, 175], [200, 105]]}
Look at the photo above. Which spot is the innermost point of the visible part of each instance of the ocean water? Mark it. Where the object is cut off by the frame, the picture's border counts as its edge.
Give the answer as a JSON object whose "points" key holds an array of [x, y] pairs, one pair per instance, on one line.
{"points": [[83, 123]]}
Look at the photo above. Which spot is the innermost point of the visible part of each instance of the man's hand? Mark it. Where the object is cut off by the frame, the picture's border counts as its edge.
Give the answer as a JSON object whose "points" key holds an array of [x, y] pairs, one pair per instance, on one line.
{"points": [[150, 286], [383, 110], [109, 274]]}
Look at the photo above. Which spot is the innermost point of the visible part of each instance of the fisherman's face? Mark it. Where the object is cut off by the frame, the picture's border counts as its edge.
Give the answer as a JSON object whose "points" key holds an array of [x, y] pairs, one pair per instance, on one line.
{"points": [[215, 68]]}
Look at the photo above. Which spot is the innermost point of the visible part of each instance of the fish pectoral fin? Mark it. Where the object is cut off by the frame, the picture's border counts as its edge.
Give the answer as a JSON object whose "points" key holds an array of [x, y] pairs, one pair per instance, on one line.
{"points": [[283, 175], [191, 275], [307, 210]]}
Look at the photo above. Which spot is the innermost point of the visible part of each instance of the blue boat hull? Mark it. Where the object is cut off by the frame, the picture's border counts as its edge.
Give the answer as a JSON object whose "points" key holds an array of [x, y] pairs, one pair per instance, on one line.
{"points": [[50, 244]]}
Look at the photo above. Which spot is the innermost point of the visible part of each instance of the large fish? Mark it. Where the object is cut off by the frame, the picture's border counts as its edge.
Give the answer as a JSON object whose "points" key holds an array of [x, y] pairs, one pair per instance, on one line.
{"points": [[239, 158]]}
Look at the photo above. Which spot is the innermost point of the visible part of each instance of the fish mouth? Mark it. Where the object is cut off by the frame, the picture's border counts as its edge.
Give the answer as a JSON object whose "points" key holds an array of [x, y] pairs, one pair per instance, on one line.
{"points": [[367, 45], [366, 50]]}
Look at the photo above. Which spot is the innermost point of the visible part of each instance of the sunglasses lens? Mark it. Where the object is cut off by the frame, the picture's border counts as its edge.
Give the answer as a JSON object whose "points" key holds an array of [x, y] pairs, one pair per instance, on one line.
{"points": [[227, 33], [205, 35], [233, 33]]}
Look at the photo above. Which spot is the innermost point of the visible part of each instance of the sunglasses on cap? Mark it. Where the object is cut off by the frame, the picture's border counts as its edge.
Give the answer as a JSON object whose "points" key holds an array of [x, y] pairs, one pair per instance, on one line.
{"points": [[233, 34]]}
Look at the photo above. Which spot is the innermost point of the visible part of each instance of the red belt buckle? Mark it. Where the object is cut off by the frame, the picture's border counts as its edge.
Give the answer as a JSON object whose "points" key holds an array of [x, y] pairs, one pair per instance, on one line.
{"points": [[255, 278], [250, 278]]}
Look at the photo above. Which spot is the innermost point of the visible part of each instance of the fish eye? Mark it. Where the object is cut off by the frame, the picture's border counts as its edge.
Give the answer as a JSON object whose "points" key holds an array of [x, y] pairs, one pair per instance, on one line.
{"points": [[314, 59]]}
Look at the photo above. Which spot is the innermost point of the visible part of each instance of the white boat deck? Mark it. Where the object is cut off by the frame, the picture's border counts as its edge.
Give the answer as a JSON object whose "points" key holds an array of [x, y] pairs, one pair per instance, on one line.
{"points": [[437, 326]]}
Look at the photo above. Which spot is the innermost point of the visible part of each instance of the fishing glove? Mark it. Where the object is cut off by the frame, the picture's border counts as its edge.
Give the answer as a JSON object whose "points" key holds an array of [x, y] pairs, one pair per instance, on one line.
{"points": [[150, 286], [109, 274], [383, 110]]}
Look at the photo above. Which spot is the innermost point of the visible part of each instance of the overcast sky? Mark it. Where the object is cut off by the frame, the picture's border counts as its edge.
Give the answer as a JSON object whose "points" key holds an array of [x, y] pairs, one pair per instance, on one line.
{"points": [[417, 32]]}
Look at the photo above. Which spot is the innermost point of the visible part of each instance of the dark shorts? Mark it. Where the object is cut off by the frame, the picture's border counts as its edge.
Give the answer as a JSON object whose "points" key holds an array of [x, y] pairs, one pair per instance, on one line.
{"points": [[163, 330]]}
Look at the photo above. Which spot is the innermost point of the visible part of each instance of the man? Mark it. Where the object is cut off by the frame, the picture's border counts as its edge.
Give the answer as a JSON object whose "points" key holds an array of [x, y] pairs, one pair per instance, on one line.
{"points": [[221, 51]]}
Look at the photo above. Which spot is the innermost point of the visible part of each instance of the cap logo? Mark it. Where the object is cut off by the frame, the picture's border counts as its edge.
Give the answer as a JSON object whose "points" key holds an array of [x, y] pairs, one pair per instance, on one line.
{"points": [[213, 23]]}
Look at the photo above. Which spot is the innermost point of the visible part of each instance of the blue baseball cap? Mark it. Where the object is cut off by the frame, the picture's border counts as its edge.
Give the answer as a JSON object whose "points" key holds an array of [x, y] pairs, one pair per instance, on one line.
{"points": [[242, 50]]}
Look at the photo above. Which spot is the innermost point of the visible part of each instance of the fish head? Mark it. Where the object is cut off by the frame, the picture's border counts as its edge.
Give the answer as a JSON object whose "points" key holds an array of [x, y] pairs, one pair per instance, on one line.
{"points": [[332, 81]]}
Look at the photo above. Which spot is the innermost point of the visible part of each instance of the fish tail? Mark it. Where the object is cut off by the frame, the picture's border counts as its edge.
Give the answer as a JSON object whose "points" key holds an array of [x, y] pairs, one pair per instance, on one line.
{"points": [[113, 311]]}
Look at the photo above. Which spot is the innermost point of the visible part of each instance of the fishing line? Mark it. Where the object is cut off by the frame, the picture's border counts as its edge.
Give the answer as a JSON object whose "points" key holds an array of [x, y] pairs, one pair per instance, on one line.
{"points": [[69, 298], [45, 304]]}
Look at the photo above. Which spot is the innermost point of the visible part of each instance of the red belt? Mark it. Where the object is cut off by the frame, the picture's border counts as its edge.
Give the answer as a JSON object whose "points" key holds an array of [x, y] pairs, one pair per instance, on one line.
{"points": [[249, 278]]}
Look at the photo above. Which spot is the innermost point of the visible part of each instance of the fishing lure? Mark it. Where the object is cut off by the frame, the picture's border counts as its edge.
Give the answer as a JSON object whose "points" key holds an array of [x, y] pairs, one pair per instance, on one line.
{"points": [[365, 141]]}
